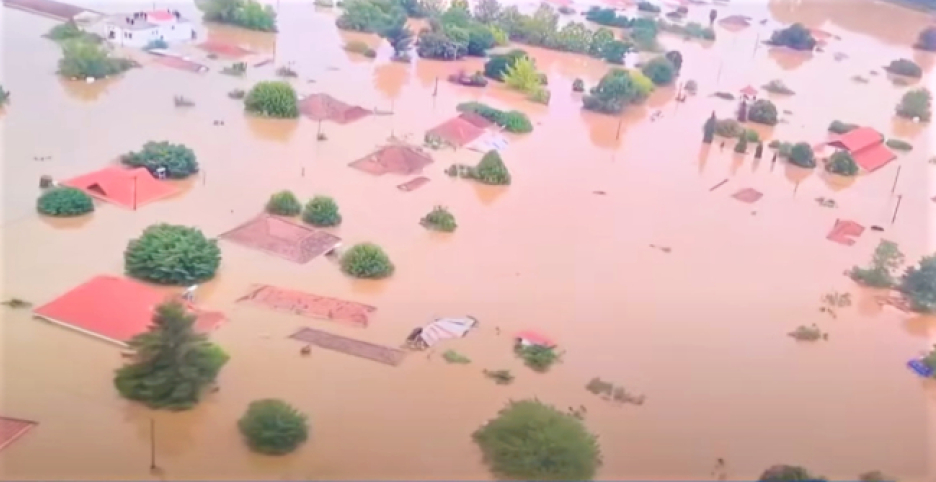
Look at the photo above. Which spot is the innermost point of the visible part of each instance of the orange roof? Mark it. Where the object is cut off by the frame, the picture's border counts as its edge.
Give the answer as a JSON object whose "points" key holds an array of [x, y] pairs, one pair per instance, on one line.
{"points": [[129, 188], [845, 232], [113, 308], [457, 131], [277, 236], [225, 49], [857, 139], [873, 158]]}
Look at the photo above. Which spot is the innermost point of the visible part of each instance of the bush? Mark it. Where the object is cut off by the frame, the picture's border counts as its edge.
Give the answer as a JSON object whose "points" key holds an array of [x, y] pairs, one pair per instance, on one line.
{"points": [[918, 285], [898, 144], [728, 128], [64, 202], [648, 7], [886, 261], [927, 39], [750, 135], [801, 154], [795, 36], [491, 170], [539, 358], [172, 363], [532, 441], [839, 127], [763, 111], [522, 76], [607, 17], [741, 146], [916, 103], [540, 96], [248, 14], [616, 89], [614, 52], [283, 203], [778, 87], [273, 427], [71, 31], [497, 66], [660, 70], [905, 67], [366, 260], [437, 45], [788, 473], [321, 211], [172, 255], [842, 163], [578, 85], [513, 121], [82, 59], [439, 219], [370, 15], [358, 47], [178, 161], [272, 99]]}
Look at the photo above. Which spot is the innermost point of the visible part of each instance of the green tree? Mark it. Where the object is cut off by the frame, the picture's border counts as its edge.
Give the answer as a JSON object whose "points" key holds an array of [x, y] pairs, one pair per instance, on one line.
{"points": [[367, 260], [437, 45], [480, 39], [660, 70], [612, 94], [905, 67], [178, 160], [515, 121], [788, 473], [801, 154], [927, 39], [172, 364], [272, 98], [614, 51], [600, 39], [321, 211], [916, 103], [365, 16], [573, 37], [399, 36], [532, 441], [842, 163], [522, 76], [886, 261], [741, 146], [539, 358], [796, 37], [918, 285], [763, 111], [248, 14], [82, 59], [64, 202], [273, 427], [283, 203], [487, 11], [172, 255], [497, 65], [439, 219], [492, 170], [708, 129], [71, 31]]}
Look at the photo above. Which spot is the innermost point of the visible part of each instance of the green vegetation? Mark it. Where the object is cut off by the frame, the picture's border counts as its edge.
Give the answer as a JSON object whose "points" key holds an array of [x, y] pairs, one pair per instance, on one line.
{"points": [[439, 219], [273, 427], [740, 147], [360, 47], [916, 104], [4, 96], [496, 67], [500, 377], [881, 273], [708, 129], [842, 163], [918, 286], [691, 30], [172, 364], [607, 17], [64, 202], [927, 39], [366, 260], [532, 441], [491, 170], [452, 356], [399, 36], [899, 144], [729, 128], [777, 86], [523, 76], [236, 69], [647, 7], [609, 390], [763, 111], [615, 91], [796, 37], [578, 85], [660, 70], [177, 160], [539, 358], [283, 203], [249, 14], [801, 154], [172, 255], [905, 67], [750, 135], [512, 121], [82, 59], [839, 127], [69, 31], [788, 473], [321, 211], [272, 99]]}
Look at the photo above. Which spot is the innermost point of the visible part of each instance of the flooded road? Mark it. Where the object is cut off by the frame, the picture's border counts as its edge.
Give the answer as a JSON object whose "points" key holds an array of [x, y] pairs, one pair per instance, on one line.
{"points": [[701, 331]]}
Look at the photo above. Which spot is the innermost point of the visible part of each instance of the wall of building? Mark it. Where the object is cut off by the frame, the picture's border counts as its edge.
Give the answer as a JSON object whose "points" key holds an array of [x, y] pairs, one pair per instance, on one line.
{"points": [[171, 33]]}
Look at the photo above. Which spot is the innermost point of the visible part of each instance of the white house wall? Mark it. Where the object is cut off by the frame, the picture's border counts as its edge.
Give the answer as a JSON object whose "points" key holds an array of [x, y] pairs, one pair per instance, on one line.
{"points": [[174, 33]]}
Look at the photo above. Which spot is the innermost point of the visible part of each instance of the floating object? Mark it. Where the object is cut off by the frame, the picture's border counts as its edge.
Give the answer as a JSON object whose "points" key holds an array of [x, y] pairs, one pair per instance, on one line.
{"points": [[920, 368], [443, 329], [720, 184], [350, 346], [845, 232], [413, 184], [748, 195]]}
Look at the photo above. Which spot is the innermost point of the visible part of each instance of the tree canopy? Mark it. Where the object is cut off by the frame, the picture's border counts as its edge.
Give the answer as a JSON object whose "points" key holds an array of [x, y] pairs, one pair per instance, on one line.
{"points": [[523, 76], [616, 89], [918, 285], [796, 37], [82, 59], [178, 160], [763, 111], [283, 203], [366, 260], [272, 98], [801, 154], [273, 427], [916, 103], [321, 211], [64, 202], [842, 163], [905, 67], [788, 473], [249, 14], [881, 273], [660, 70], [172, 255], [172, 364], [532, 441]]}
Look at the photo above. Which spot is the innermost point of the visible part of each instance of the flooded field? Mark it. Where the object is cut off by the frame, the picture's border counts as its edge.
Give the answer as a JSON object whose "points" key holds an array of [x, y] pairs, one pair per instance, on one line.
{"points": [[701, 330]]}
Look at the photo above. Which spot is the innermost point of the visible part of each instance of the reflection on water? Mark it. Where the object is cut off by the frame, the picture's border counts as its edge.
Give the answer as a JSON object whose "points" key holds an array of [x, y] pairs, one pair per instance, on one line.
{"points": [[695, 329]]}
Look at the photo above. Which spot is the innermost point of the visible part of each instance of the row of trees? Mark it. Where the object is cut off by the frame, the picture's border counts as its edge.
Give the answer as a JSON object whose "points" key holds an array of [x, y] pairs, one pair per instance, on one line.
{"points": [[916, 283], [321, 211], [249, 14]]}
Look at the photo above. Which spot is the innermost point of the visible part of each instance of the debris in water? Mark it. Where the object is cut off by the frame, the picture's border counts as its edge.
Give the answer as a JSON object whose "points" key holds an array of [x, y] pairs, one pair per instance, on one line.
{"points": [[826, 202], [181, 101], [808, 333], [720, 184], [16, 303], [600, 193], [877, 228], [453, 356], [665, 249], [836, 299], [500, 377], [617, 394]]}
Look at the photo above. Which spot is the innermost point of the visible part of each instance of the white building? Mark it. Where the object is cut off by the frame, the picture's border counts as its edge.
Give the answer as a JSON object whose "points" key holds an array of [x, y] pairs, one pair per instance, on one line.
{"points": [[140, 28]]}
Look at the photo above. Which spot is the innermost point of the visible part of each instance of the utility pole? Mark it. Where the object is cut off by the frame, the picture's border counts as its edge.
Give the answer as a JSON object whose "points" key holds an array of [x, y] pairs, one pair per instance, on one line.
{"points": [[153, 467], [435, 90], [896, 176]]}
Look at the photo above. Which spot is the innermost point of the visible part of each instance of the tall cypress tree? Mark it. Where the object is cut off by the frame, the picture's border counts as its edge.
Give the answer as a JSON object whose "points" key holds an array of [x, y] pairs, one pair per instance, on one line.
{"points": [[708, 129]]}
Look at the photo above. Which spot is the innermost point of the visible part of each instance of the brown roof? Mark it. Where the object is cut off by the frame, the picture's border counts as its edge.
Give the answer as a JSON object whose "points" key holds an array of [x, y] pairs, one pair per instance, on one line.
{"points": [[274, 235], [326, 107], [456, 131], [857, 139], [396, 159], [475, 119]]}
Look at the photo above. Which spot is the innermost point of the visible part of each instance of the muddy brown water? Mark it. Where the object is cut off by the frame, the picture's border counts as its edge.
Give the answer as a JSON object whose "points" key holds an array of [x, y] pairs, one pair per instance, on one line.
{"points": [[700, 331]]}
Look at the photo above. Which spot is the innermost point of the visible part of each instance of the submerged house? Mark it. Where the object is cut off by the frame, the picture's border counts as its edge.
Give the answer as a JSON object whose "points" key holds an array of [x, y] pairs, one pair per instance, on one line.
{"points": [[866, 147], [138, 29]]}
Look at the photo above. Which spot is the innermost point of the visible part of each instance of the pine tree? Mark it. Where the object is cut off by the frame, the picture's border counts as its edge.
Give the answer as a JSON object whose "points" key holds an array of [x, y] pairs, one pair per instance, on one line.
{"points": [[708, 129]]}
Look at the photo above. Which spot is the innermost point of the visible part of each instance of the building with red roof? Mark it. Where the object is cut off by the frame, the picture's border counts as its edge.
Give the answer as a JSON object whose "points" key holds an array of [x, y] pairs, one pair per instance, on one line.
{"points": [[138, 29], [456, 131], [129, 188], [866, 147]]}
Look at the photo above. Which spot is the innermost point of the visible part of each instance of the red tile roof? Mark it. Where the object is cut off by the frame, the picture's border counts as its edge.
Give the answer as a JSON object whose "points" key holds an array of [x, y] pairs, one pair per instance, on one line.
{"points": [[535, 338], [160, 16], [857, 139], [12, 429], [129, 188], [845, 232], [326, 107], [456, 131], [873, 158]]}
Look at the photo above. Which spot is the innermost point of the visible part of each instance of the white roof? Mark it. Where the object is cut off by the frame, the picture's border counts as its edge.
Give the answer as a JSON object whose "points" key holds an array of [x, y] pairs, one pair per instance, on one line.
{"points": [[447, 328]]}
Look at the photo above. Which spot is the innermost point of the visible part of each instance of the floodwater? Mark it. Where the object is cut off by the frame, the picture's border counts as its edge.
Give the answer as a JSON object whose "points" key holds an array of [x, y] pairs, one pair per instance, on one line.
{"points": [[700, 331]]}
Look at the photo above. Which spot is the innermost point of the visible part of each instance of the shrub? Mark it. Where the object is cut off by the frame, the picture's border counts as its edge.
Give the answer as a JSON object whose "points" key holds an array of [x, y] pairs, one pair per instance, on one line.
{"points": [[741, 146], [81, 58], [778, 87], [532, 441], [71, 31], [842, 163], [178, 160], [172, 364], [272, 99], [918, 285], [899, 144], [607, 17], [905, 67], [522, 76], [64, 202], [795, 36], [750, 135], [648, 7], [886, 260], [614, 52], [237, 94], [539, 358], [540, 96], [497, 66], [283, 203], [273, 427], [728, 128], [480, 39], [763, 111], [615, 91], [439, 219], [839, 127], [578, 85], [516, 122], [248, 14], [357, 47], [399, 36], [660, 70], [491, 170], [172, 255], [788, 473], [801, 154], [927, 39], [916, 103], [371, 16], [437, 45], [366, 260], [321, 211]]}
